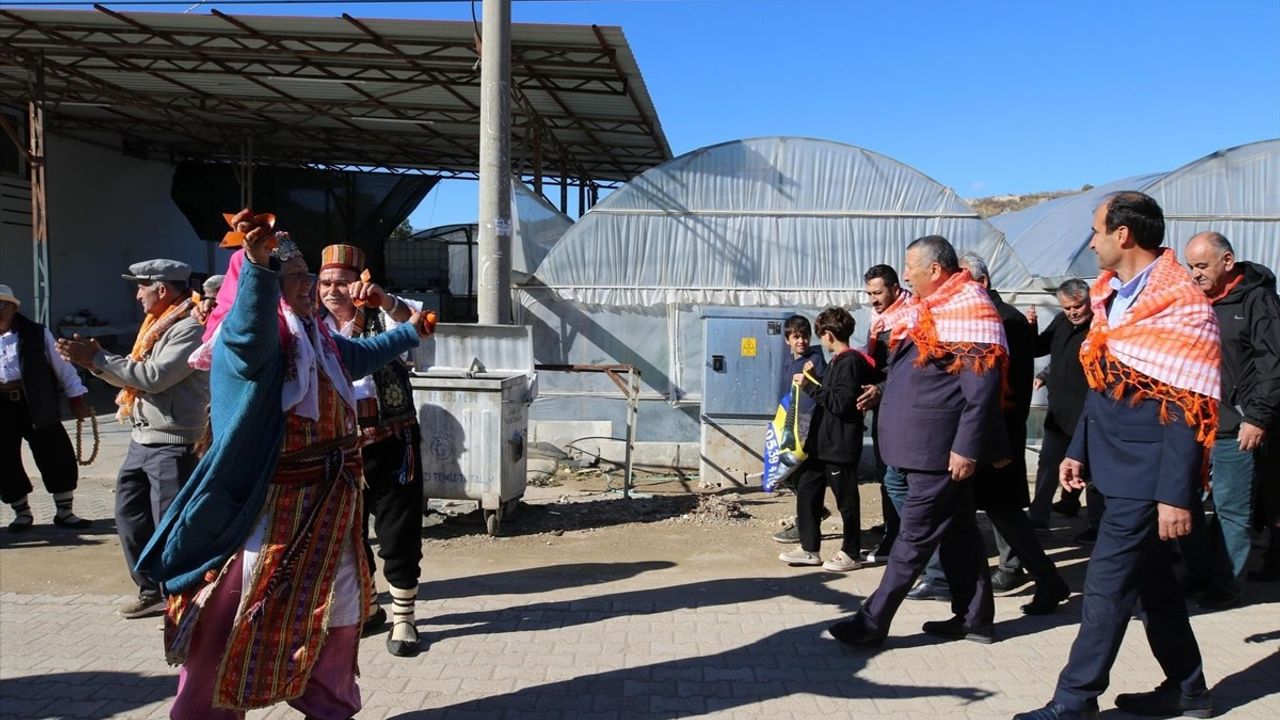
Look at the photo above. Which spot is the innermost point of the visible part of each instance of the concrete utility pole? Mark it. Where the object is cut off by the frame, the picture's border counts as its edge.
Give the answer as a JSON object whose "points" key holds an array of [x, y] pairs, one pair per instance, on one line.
{"points": [[494, 301]]}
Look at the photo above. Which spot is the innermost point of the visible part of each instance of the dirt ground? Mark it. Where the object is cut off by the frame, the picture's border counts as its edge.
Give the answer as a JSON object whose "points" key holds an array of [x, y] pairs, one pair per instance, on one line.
{"points": [[577, 519]]}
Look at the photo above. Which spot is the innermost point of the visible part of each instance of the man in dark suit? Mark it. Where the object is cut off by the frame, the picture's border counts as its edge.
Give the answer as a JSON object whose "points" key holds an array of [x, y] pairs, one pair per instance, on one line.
{"points": [[1153, 332], [1002, 493], [940, 420]]}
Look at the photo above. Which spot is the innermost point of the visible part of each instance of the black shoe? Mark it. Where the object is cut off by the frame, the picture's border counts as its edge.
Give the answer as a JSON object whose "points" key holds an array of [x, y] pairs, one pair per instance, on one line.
{"points": [[1166, 701], [1067, 508], [1054, 711], [1088, 536], [375, 621], [925, 590], [874, 556], [21, 524], [853, 632], [1047, 598], [1217, 598], [1005, 580], [404, 648], [78, 523], [955, 629]]}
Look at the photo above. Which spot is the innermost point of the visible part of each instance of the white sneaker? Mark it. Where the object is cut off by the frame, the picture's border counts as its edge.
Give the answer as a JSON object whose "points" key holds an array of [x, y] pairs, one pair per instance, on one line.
{"points": [[800, 557], [841, 562]]}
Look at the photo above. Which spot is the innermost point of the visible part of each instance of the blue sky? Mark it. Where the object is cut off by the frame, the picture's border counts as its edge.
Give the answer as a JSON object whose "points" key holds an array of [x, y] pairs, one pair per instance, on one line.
{"points": [[986, 97]]}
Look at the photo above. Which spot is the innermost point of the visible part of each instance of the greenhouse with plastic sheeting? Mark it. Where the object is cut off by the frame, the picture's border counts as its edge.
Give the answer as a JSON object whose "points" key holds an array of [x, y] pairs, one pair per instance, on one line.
{"points": [[1232, 191], [774, 225]]}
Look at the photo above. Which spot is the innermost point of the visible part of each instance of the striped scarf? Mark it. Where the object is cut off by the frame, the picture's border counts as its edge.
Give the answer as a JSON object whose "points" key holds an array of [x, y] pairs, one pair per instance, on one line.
{"points": [[956, 321], [885, 320], [1166, 347], [153, 328]]}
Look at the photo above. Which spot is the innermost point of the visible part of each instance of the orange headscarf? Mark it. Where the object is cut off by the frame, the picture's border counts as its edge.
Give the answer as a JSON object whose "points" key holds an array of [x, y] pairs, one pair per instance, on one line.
{"points": [[1166, 347]]}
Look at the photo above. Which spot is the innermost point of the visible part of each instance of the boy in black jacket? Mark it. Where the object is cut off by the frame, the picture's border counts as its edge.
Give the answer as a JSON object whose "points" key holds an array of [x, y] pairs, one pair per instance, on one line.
{"points": [[833, 446], [798, 335]]}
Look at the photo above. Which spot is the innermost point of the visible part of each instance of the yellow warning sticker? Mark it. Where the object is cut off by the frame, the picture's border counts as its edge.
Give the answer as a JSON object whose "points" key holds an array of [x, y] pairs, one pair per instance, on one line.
{"points": [[748, 347]]}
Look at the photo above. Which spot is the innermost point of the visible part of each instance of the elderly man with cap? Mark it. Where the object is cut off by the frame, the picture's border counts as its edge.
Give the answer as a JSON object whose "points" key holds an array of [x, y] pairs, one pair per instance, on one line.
{"points": [[163, 399], [206, 302], [31, 376], [389, 437]]}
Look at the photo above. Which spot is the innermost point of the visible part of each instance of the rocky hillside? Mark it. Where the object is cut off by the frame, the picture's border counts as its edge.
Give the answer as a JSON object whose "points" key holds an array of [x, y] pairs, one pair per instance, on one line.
{"points": [[999, 204]]}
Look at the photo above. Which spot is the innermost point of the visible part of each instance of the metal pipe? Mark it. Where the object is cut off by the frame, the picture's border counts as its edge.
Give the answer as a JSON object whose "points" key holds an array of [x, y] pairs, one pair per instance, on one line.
{"points": [[494, 298]]}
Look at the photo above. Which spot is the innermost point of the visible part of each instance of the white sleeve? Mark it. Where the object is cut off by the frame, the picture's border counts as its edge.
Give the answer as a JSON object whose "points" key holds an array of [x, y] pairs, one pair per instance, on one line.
{"points": [[413, 305], [68, 378]]}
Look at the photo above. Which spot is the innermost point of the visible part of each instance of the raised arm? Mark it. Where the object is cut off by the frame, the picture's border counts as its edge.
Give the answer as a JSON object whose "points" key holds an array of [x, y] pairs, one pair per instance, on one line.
{"points": [[364, 355], [250, 332], [166, 367]]}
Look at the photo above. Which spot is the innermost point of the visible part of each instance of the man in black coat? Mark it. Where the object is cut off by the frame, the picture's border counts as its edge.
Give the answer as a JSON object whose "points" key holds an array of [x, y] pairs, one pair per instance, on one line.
{"points": [[1244, 299], [1067, 387], [1002, 492]]}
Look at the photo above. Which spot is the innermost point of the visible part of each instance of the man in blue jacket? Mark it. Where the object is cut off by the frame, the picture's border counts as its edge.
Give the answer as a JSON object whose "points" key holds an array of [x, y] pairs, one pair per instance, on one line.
{"points": [[1151, 359]]}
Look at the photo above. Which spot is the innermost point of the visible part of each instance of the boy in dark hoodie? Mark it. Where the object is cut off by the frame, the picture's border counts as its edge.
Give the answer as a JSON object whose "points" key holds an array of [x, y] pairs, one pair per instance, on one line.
{"points": [[833, 446], [799, 336]]}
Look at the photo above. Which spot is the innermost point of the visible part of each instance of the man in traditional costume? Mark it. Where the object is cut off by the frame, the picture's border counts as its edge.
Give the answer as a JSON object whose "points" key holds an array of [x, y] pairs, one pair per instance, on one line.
{"points": [[261, 551], [162, 399], [32, 376], [940, 420], [1152, 361], [389, 437]]}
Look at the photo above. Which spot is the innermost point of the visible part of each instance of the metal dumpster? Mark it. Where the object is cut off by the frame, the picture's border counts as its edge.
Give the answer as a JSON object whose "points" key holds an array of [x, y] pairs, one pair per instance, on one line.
{"points": [[472, 385]]}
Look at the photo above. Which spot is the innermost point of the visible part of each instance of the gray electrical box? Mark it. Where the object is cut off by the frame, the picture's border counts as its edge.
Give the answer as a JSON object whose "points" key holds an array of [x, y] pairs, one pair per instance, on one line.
{"points": [[743, 351]]}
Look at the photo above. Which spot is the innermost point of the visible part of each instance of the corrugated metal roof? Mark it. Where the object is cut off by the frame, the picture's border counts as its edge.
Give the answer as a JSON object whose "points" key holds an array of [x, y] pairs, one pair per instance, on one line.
{"points": [[396, 94]]}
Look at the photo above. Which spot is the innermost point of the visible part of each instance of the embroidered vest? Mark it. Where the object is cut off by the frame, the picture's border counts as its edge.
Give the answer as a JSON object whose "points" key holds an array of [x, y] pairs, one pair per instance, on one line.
{"points": [[391, 381]]}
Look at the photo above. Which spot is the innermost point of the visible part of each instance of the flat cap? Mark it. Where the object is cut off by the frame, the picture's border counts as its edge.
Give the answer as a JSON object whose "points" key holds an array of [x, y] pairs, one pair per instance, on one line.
{"points": [[213, 284], [159, 269]]}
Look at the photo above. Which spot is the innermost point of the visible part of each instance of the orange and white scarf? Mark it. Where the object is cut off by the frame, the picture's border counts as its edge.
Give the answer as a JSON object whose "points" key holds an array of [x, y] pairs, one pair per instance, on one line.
{"points": [[957, 320], [1165, 347], [153, 327], [885, 319]]}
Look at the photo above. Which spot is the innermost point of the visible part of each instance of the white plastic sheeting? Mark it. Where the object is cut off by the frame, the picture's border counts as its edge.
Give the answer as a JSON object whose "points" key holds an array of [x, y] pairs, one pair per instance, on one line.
{"points": [[537, 227], [772, 221], [1234, 191]]}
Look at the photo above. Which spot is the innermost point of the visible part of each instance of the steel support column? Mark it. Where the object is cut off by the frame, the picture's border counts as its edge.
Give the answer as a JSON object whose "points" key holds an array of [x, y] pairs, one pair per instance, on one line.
{"points": [[39, 212], [494, 301]]}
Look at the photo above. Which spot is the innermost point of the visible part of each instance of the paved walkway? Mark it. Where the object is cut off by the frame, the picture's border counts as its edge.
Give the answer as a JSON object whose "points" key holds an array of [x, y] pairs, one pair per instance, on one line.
{"points": [[648, 635]]}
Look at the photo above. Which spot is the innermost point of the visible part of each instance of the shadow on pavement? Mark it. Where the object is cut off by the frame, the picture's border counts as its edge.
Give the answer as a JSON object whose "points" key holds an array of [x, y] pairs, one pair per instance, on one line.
{"points": [[1258, 681], [46, 534], [531, 581], [83, 694], [793, 661], [569, 613]]}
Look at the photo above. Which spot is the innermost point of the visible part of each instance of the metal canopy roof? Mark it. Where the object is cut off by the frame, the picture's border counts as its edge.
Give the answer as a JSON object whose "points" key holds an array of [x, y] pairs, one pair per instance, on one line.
{"points": [[402, 95]]}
